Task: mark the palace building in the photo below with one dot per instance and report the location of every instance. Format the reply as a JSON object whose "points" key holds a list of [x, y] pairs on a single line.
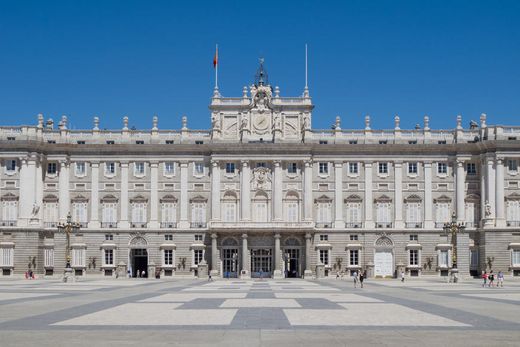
{"points": [[261, 193]]}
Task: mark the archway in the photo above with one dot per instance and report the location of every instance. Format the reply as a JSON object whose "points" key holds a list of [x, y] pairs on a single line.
{"points": [[138, 257], [384, 257]]}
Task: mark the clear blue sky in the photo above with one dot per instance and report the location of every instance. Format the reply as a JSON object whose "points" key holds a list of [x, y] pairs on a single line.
{"points": [[140, 58]]}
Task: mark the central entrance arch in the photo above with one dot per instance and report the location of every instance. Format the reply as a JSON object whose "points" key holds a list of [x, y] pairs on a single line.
{"points": [[384, 257], [138, 257]]}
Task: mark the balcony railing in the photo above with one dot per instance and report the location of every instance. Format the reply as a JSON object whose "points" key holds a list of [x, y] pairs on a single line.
{"points": [[413, 225], [513, 223], [198, 225], [439, 225], [8, 223], [471, 224], [168, 225], [138, 225], [83, 224], [323, 225], [50, 224], [383, 225], [353, 225], [109, 225]]}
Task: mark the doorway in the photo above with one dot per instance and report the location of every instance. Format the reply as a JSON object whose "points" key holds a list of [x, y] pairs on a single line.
{"points": [[292, 262], [230, 262], [261, 262], [139, 261], [383, 263]]}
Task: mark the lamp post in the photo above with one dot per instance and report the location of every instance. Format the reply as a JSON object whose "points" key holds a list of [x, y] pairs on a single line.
{"points": [[453, 228], [68, 228]]}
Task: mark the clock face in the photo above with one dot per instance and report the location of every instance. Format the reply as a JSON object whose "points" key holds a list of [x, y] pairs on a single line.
{"points": [[261, 122]]}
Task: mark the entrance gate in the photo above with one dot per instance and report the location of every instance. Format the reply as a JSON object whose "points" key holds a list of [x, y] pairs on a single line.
{"points": [[261, 262], [230, 262], [292, 262], [139, 261]]}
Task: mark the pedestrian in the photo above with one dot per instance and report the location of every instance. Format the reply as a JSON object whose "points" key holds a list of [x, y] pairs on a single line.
{"points": [[484, 278], [129, 273], [209, 276], [491, 279], [500, 279], [143, 274], [354, 276], [361, 278], [402, 276], [337, 274]]}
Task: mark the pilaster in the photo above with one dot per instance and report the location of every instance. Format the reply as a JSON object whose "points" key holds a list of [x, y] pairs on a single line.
{"points": [[460, 190], [183, 222], [215, 190], [245, 191], [94, 195], [339, 223], [277, 191], [428, 201], [307, 190], [500, 208], [64, 188], [398, 185], [124, 196], [245, 258], [369, 222], [154, 195]]}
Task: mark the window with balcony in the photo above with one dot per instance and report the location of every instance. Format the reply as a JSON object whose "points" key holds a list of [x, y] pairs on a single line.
{"points": [[198, 214], [260, 208], [442, 211], [353, 213], [513, 213], [79, 212], [9, 211], [139, 216], [471, 212], [324, 212], [109, 214], [354, 257], [292, 207], [230, 211], [50, 213], [168, 213], [413, 212], [383, 212]]}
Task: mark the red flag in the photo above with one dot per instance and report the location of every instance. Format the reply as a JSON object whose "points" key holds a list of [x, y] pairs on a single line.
{"points": [[215, 58]]}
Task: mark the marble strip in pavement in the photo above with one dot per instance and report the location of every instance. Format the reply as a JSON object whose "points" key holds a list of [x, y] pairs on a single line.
{"points": [[19, 295], [264, 303], [369, 315], [153, 314], [496, 296], [184, 297], [334, 297]]}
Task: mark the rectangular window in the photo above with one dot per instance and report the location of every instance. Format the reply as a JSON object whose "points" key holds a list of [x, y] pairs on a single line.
{"points": [[261, 164], [383, 142], [168, 257], [354, 257], [443, 258], [80, 168], [383, 213], [512, 165], [139, 212], [471, 169], [110, 142], [353, 168], [412, 168], [78, 257], [52, 168], [323, 168], [414, 237], [10, 165], [198, 212], [199, 142], [169, 142], [169, 168], [198, 255], [383, 168], [80, 142], [515, 257], [442, 168], [109, 237], [324, 237], [7, 256], [50, 213], [414, 257], [139, 169], [324, 256], [230, 168], [199, 168], [48, 257], [442, 213], [198, 237], [292, 168], [109, 256], [79, 212], [139, 142], [513, 212], [324, 213], [230, 209], [10, 211], [109, 212], [168, 237], [353, 214], [110, 168], [168, 212], [413, 213], [323, 142], [354, 237], [292, 211], [352, 142]]}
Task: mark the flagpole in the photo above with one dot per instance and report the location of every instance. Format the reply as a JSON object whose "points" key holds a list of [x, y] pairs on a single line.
{"points": [[216, 68], [306, 85]]}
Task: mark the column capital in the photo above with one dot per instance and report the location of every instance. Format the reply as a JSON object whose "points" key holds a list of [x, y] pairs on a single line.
{"points": [[427, 164], [244, 236], [277, 163], [277, 236], [244, 162], [214, 163], [214, 236], [308, 236], [338, 164], [490, 161], [368, 163], [183, 163], [124, 164], [154, 164], [460, 162], [308, 162], [64, 163], [398, 163], [94, 163], [500, 161]]}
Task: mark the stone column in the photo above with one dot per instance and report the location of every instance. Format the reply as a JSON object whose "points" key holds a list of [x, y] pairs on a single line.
{"points": [[369, 222], [307, 190], [215, 190], [94, 195], [183, 222], [154, 195], [398, 189], [277, 191], [428, 201], [483, 197], [214, 255], [277, 257], [124, 197], [463, 254], [245, 191], [460, 190], [339, 223], [490, 191], [39, 190], [245, 258], [500, 208], [63, 182], [27, 190], [308, 271]]}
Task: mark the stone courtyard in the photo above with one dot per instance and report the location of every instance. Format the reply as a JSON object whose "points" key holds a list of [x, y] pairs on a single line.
{"points": [[257, 312]]}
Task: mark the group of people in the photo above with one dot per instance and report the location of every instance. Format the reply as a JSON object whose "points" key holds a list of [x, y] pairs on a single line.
{"points": [[138, 274], [357, 277], [489, 279]]}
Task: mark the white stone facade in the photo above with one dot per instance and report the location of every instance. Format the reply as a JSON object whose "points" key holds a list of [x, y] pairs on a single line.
{"points": [[261, 193]]}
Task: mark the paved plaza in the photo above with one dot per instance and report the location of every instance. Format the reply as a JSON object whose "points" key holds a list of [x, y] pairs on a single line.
{"points": [[257, 312]]}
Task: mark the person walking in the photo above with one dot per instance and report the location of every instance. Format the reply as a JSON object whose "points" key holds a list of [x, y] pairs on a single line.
{"points": [[402, 276], [491, 279], [209, 276], [361, 278], [354, 276], [500, 279], [484, 278]]}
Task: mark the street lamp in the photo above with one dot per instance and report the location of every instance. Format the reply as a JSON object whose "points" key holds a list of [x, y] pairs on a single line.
{"points": [[68, 228], [454, 228]]}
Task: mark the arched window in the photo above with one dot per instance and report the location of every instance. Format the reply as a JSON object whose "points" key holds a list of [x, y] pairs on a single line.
{"points": [[260, 207], [292, 207], [413, 207], [229, 207]]}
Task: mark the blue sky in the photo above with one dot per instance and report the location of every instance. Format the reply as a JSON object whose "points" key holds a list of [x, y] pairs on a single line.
{"points": [[140, 58]]}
